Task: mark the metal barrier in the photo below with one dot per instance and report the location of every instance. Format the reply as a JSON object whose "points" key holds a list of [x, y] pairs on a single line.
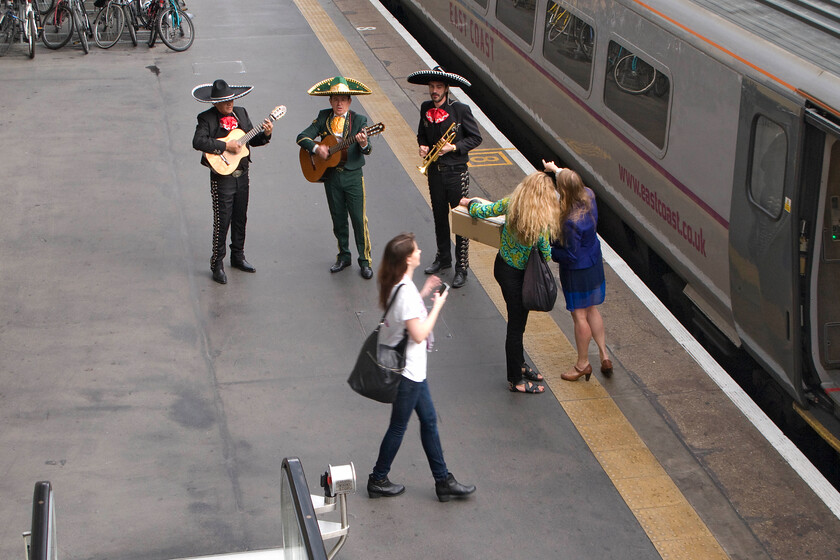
{"points": [[302, 535]]}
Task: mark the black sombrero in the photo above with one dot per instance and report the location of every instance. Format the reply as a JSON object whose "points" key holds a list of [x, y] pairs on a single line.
{"points": [[437, 74], [219, 92]]}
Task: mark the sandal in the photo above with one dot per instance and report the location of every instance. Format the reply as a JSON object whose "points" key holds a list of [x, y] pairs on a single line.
{"points": [[527, 387], [530, 374]]}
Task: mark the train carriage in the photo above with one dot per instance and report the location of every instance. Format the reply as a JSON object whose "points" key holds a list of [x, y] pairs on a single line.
{"points": [[711, 128]]}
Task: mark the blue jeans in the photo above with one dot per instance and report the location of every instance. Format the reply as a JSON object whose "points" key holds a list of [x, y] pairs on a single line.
{"points": [[412, 396]]}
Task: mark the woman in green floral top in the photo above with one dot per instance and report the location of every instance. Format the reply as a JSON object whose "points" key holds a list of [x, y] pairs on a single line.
{"points": [[532, 217]]}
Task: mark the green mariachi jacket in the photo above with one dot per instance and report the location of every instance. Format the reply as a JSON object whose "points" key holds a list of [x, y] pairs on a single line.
{"points": [[319, 129]]}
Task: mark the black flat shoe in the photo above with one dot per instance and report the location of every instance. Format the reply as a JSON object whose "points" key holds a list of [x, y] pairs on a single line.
{"points": [[383, 488], [219, 274], [339, 266], [451, 488], [366, 272], [243, 265], [436, 267]]}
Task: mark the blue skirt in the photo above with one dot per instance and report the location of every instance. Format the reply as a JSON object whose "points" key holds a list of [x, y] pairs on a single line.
{"points": [[584, 287]]}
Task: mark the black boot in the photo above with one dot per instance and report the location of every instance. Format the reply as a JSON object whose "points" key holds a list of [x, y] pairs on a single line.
{"points": [[450, 488], [462, 263], [437, 266], [219, 273], [383, 487]]}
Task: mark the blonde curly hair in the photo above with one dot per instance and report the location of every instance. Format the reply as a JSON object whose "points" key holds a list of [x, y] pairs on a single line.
{"points": [[534, 209]]}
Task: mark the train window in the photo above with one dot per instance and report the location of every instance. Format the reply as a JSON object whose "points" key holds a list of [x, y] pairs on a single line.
{"points": [[568, 43], [637, 92], [518, 16], [482, 3], [767, 166]]}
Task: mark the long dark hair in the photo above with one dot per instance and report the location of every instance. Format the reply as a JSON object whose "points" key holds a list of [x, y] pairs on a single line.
{"points": [[393, 265]]}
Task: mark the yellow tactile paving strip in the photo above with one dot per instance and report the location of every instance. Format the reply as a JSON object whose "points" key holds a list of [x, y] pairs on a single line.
{"points": [[670, 522]]}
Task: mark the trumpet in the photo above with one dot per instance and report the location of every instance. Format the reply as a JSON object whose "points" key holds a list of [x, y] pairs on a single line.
{"points": [[434, 153]]}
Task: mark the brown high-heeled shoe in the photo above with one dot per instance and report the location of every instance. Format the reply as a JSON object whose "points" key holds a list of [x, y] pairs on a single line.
{"points": [[606, 367], [578, 373]]}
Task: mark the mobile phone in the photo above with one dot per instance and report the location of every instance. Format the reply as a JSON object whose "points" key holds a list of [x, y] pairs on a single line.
{"points": [[444, 287]]}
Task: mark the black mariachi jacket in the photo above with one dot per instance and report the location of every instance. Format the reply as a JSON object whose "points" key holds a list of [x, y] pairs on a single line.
{"points": [[467, 137], [208, 129]]}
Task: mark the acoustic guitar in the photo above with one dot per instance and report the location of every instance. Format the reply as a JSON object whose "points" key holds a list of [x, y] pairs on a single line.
{"points": [[227, 162], [314, 167]]}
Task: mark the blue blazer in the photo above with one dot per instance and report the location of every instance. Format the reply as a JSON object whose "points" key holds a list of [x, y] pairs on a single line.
{"points": [[580, 247]]}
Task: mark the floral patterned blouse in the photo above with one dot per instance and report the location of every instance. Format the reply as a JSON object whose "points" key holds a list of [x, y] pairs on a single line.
{"points": [[513, 253]]}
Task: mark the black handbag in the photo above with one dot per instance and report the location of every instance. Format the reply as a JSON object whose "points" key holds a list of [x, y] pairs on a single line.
{"points": [[379, 367], [539, 290]]}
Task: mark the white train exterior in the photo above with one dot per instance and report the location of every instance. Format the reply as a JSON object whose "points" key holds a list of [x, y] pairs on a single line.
{"points": [[727, 164]]}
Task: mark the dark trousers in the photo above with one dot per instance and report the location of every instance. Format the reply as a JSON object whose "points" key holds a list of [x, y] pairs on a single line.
{"points": [[345, 192], [510, 280], [447, 186], [230, 212], [412, 396]]}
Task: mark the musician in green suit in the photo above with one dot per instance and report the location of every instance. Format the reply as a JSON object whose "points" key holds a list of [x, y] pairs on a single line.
{"points": [[344, 184]]}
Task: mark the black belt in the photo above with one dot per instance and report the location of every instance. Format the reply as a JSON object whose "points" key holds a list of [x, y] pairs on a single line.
{"points": [[238, 173], [454, 167]]}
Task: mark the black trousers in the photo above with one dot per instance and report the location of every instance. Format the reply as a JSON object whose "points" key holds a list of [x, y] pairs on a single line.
{"points": [[447, 186], [230, 212], [510, 280]]}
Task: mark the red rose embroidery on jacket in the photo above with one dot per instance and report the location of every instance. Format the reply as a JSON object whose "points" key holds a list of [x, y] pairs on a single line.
{"points": [[435, 115], [229, 123]]}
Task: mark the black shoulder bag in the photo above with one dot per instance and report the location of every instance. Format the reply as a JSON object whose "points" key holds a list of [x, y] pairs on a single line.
{"points": [[539, 290], [379, 368]]}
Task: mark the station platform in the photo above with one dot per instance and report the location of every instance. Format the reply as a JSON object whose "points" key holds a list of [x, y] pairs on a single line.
{"points": [[161, 404]]}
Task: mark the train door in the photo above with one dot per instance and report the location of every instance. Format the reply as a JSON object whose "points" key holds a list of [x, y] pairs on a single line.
{"points": [[820, 268], [763, 281]]}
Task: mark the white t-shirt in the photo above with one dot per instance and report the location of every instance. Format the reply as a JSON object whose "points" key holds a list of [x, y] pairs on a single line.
{"points": [[408, 305]]}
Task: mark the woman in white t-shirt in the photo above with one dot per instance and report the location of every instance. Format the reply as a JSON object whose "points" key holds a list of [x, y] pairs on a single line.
{"points": [[408, 315]]}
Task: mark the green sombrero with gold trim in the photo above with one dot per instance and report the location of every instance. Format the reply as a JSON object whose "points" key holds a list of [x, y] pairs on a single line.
{"points": [[339, 85]]}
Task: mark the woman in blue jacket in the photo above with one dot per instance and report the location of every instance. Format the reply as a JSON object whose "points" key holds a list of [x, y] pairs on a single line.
{"points": [[578, 251]]}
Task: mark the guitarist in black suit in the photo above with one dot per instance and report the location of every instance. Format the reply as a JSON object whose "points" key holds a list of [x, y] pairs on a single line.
{"points": [[229, 192], [345, 183]]}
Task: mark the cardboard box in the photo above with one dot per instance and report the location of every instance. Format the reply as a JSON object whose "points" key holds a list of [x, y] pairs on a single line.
{"points": [[487, 231]]}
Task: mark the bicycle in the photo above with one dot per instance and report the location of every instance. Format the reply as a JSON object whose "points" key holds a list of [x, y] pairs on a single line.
{"points": [[21, 24], [557, 21], [57, 25], [81, 23], [164, 18], [109, 24], [634, 75]]}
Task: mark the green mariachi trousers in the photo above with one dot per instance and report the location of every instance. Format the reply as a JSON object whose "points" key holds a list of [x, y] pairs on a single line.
{"points": [[345, 192]]}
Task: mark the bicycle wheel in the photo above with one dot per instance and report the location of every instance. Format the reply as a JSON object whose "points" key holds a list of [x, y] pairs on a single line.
{"points": [[131, 23], [634, 75], [7, 31], [44, 6], [175, 29], [586, 40], [559, 26], [108, 25], [142, 11], [57, 27], [79, 24], [31, 32]]}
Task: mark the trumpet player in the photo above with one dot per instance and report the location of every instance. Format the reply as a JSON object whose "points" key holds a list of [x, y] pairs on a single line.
{"points": [[449, 178]]}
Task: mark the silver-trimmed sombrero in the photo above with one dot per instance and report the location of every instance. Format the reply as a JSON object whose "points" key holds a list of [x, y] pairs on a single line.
{"points": [[437, 74], [219, 92]]}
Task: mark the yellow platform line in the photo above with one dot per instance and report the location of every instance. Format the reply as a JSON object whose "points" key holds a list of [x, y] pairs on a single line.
{"points": [[672, 525]]}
